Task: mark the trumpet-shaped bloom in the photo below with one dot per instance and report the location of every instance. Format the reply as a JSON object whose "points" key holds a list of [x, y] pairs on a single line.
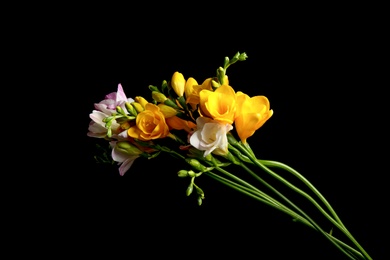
{"points": [[220, 104], [251, 114], [150, 124], [210, 136], [192, 91]]}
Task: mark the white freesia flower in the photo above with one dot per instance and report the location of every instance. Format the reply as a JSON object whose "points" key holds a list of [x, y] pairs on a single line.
{"points": [[210, 136]]}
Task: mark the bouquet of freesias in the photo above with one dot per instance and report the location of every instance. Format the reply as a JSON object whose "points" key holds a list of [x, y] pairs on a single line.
{"points": [[208, 125]]}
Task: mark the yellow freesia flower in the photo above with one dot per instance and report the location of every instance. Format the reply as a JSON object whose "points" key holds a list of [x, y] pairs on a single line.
{"points": [[150, 124], [219, 105], [191, 88], [192, 92], [251, 114]]}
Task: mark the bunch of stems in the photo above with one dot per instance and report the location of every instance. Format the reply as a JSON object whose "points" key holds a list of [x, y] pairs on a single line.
{"points": [[242, 155]]}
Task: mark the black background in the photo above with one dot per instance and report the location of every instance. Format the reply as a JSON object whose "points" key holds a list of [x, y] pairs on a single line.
{"points": [[320, 73]]}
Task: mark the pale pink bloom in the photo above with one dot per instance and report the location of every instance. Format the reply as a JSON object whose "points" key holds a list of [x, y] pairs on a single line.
{"points": [[210, 136], [104, 109], [112, 100], [124, 159]]}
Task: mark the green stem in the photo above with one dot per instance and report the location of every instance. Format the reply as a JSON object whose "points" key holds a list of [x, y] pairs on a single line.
{"points": [[248, 152], [262, 197], [306, 182], [296, 208], [299, 176]]}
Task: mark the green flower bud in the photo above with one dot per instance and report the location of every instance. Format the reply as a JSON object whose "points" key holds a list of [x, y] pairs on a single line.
{"points": [[196, 164], [137, 106], [182, 173], [120, 110], [190, 189], [153, 88], [131, 109], [200, 201], [215, 84], [191, 173], [128, 148], [243, 56], [158, 96]]}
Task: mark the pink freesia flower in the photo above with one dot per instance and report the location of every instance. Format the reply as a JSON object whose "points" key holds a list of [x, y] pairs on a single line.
{"points": [[104, 109], [112, 100]]}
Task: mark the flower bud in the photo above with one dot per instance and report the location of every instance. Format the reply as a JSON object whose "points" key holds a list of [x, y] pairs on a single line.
{"points": [[130, 109], [120, 110], [141, 100], [167, 110], [190, 189], [128, 148], [215, 84], [243, 56], [182, 173], [138, 107], [196, 164], [178, 83], [158, 96]]}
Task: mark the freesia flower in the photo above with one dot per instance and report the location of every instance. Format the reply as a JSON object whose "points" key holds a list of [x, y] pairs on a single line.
{"points": [[251, 114], [220, 104], [112, 100], [97, 127], [210, 136], [192, 91], [125, 154], [106, 108], [150, 124]]}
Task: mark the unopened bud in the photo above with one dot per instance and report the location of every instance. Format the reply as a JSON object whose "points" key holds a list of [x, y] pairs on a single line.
{"points": [[138, 107], [128, 148], [158, 96], [131, 109], [120, 110], [182, 173], [215, 84], [243, 56], [178, 83], [196, 164], [141, 101], [190, 189], [167, 110]]}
